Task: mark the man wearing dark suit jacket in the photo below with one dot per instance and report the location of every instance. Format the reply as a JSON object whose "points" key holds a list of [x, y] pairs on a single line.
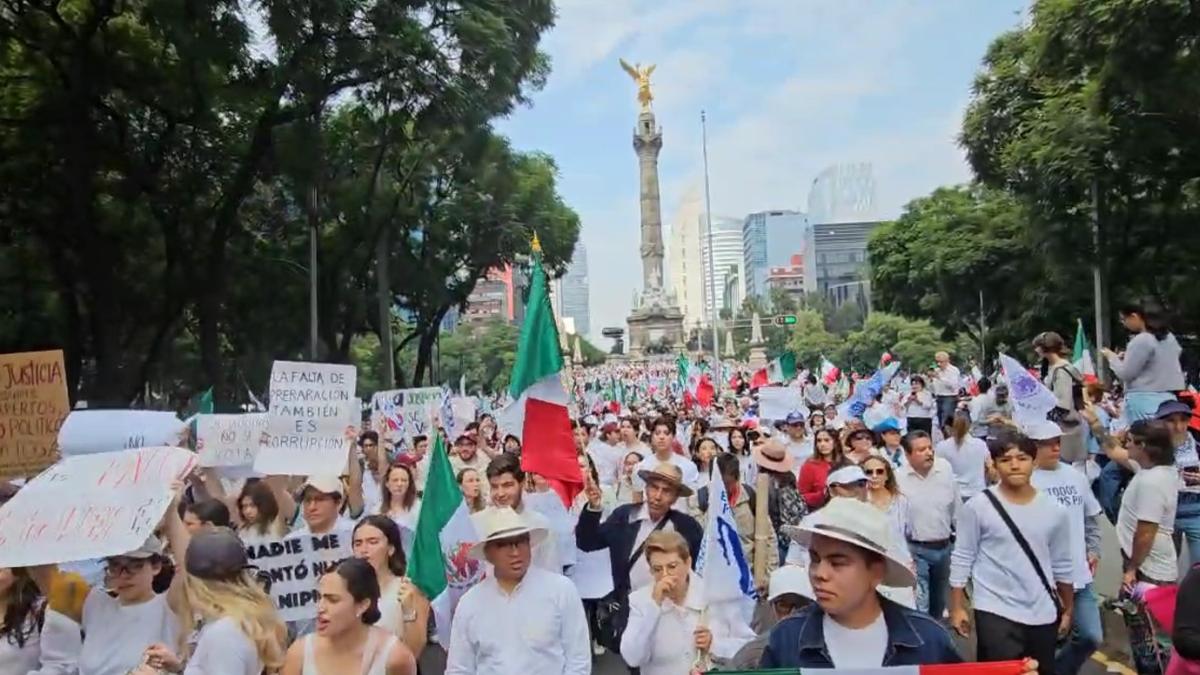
{"points": [[625, 531]]}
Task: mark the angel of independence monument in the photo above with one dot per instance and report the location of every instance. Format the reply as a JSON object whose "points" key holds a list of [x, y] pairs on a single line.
{"points": [[655, 318]]}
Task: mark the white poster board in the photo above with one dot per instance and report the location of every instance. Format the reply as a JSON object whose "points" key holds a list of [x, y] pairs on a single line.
{"points": [[295, 563], [90, 431], [229, 440], [311, 422], [776, 403], [90, 506], [399, 414]]}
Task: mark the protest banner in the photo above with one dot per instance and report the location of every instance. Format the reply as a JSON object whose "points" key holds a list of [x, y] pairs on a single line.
{"points": [[33, 404], [776, 403], [91, 431], [310, 419], [295, 563], [229, 440], [399, 414], [90, 506]]}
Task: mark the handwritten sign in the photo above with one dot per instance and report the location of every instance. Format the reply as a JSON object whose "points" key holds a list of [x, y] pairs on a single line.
{"points": [[92, 431], [33, 404], [229, 440], [310, 417], [90, 506], [776, 403], [400, 414], [295, 563]]}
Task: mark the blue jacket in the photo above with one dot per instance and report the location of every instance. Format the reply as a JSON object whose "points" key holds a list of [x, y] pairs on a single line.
{"points": [[618, 533], [914, 639]]}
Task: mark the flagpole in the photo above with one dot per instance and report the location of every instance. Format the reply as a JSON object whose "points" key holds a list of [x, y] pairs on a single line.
{"points": [[712, 277]]}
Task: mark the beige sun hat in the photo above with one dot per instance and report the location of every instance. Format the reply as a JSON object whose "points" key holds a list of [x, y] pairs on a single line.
{"points": [[497, 523], [857, 523], [667, 473]]}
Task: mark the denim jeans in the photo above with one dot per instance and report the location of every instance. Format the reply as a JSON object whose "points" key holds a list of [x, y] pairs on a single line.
{"points": [[1187, 524], [1087, 633], [933, 578], [1113, 478]]}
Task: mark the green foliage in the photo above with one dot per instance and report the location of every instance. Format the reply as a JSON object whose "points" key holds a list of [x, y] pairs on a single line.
{"points": [[810, 340], [912, 342]]}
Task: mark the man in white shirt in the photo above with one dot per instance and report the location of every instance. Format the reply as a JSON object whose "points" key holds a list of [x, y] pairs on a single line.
{"points": [[933, 505], [466, 455], [519, 619], [662, 433], [507, 482], [946, 380], [607, 453], [1023, 601], [1074, 493], [798, 445]]}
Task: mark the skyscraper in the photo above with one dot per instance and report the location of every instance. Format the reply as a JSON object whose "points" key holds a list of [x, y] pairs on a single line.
{"points": [[575, 299], [835, 262], [728, 260], [770, 239], [842, 193], [686, 274]]}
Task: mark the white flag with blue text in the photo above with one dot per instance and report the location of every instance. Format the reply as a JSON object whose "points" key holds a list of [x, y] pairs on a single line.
{"points": [[1031, 400], [722, 563]]}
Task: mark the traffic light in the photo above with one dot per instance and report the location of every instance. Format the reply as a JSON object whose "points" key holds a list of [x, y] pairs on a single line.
{"points": [[784, 320]]}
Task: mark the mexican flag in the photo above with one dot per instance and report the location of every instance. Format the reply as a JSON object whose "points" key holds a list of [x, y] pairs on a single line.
{"points": [[782, 368], [697, 385], [439, 564], [829, 372], [538, 415], [1082, 358]]}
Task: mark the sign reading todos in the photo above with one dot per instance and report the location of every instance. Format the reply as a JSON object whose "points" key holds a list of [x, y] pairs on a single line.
{"points": [[313, 410], [295, 563], [33, 403], [90, 506]]}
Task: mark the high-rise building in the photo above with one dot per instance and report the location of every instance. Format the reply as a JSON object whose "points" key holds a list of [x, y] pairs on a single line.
{"points": [[728, 260], [835, 262], [770, 239], [843, 193], [686, 274], [494, 297], [574, 292], [789, 278]]}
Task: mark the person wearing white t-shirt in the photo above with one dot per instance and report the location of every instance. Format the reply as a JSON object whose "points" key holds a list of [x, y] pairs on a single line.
{"points": [[607, 453], [967, 456], [797, 442], [661, 435], [919, 406], [1016, 613], [507, 482], [1074, 493], [946, 380]]}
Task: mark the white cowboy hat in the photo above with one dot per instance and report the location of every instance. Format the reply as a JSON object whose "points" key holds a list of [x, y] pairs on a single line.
{"points": [[857, 523], [495, 523]]}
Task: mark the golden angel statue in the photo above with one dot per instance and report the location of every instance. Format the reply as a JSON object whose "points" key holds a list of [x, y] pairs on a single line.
{"points": [[641, 75]]}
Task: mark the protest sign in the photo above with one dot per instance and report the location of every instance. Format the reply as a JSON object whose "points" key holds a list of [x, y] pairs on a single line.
{"points": [[92, 431], [229, 440], [310, 419], [33, 404], [295, 563], [399, 414], [776, 403], [90, 506]]}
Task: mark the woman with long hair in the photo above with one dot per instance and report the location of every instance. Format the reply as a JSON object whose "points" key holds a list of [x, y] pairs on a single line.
{"points": [[259, 513], [1149, 368], [240, 633], [400, 502], [884, 494], [860, 444], [704, 454], [739, 446], [22, 610], [920, 406], [827, 452], [623, 493], [1061, 377], [347, 642], [468, 482], [968, 456], [403, 609]]}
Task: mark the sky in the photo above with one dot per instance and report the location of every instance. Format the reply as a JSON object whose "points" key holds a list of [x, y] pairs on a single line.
{"points": [[790, 87]]}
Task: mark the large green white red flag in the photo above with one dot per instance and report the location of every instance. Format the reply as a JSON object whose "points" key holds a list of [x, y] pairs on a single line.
{"points": [[538, 415], [1082, 356]]}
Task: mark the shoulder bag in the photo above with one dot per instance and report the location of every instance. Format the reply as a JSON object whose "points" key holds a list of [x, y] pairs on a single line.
{"points": [[1037, 566]]}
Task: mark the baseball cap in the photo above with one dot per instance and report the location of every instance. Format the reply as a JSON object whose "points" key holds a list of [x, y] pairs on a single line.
{"points": [[846, 475], [790, 579], [889, 424], [328, 484], [795, 417], [216, 555], [1042, 430], [149, 548]]}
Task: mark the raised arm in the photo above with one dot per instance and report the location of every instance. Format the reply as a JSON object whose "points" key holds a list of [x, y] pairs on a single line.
{"points": [[178, 538]]}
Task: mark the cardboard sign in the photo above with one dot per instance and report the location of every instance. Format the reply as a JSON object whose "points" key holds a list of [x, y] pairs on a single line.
{"points": [[399, 414], [33, 405], [91, 431], [295, 564], [229, 440], [90, 506], [776, 403], [311, 420]]}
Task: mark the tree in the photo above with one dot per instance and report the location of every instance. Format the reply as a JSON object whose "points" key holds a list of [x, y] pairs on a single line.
{"points": [[810, 341], [913, 342]]}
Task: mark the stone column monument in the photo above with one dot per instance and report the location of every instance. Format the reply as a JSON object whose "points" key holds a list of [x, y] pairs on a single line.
{"points": [[656, 323]]}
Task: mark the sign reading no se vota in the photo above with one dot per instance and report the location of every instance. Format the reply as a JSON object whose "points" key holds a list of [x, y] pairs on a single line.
{"points": [[229, 440], [33, 404], [295, 564], [312, 410]]}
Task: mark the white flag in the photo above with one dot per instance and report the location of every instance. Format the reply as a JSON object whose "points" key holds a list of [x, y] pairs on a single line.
{"points": [[1031, 400], [722, 562]]}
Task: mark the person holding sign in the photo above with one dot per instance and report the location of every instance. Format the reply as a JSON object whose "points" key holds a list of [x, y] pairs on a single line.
{"points": [[347, 641], [241, 633]]}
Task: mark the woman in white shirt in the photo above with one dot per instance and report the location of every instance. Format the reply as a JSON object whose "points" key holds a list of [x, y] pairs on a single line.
{"points": [[403, 609], [920, 406], [884, 494], [968, 457], [240, 632], [704, 454], [21, 610], [623, 493], [665, 635], [469, 483], [400, 501]]}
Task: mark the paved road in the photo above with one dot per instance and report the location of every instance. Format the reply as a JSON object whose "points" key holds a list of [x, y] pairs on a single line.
{"points": [[1112, 658]]}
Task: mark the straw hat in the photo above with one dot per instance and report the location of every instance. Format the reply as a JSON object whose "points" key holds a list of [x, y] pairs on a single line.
{"points": [[857, 523], [667, 473], [773, 456], [497, 523]]}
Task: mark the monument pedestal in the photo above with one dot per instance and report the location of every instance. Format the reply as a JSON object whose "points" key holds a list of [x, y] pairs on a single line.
{"points": [[758, 357], [652, 326]]}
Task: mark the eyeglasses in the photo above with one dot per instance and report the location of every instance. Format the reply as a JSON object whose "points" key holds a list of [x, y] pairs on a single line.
{"points": [[118, 568]]}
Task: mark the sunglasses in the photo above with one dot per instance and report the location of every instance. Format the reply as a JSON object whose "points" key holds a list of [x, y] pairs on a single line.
{"points": [[875, 472]]}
